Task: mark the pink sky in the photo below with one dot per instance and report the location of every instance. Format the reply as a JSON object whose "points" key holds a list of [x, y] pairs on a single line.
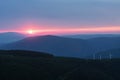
{"points": [[65, 30]]}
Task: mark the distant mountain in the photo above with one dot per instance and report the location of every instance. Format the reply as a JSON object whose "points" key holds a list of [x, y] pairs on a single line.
{"points": [[105, 43], [61, 46], [9, 37], [88, 36], [52, 44]]}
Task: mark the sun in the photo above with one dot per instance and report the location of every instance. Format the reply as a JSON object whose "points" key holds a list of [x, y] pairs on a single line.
{"points": [[30, 31]]}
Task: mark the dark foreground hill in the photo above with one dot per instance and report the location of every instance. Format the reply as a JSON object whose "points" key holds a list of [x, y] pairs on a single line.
{"points": [[24, 53], [69, 47], [56, 68]]}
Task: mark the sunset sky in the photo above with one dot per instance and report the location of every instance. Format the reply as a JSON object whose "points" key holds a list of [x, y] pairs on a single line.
{"points": [[60, 16]]}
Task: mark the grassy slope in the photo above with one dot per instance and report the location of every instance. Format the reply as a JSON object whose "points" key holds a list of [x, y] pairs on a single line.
{"points": [[57, 68]]}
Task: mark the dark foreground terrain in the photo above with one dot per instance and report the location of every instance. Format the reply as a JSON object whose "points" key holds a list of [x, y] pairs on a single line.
{"points": [[27, 65]]}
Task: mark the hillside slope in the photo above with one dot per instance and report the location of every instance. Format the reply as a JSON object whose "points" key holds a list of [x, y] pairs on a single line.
{"points": [[57, 68]]}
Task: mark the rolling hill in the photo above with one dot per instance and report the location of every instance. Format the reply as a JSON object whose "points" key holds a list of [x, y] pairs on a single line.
{"points": [[9, 37], [61, 46], [24, 53], [52, 44]]}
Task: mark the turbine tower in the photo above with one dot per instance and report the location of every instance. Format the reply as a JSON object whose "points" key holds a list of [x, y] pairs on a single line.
{"points": [[100, 57], [94, 57], [110, 56]]}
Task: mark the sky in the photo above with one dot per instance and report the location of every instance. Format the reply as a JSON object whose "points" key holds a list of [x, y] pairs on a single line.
{"points": [[60, 16]]}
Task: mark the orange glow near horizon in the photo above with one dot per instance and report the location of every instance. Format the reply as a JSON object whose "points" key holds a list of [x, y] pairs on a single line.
{"points": [[32, 27], [87, 30], [37, 30]]}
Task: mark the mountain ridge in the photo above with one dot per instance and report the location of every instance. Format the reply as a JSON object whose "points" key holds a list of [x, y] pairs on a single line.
{"points": [[61, 46]]}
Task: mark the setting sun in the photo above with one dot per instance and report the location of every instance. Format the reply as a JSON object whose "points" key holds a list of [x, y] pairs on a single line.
{"points": [[30, 31]]}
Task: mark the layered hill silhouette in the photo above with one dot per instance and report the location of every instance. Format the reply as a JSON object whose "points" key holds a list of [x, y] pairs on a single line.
{"points": [[61, 46], [52, 44], [9, 37], [89, 36]]}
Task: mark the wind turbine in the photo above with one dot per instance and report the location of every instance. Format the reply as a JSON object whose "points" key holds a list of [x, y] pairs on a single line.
{"points": [[100, 57], [94, 57], [110, 56]]}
